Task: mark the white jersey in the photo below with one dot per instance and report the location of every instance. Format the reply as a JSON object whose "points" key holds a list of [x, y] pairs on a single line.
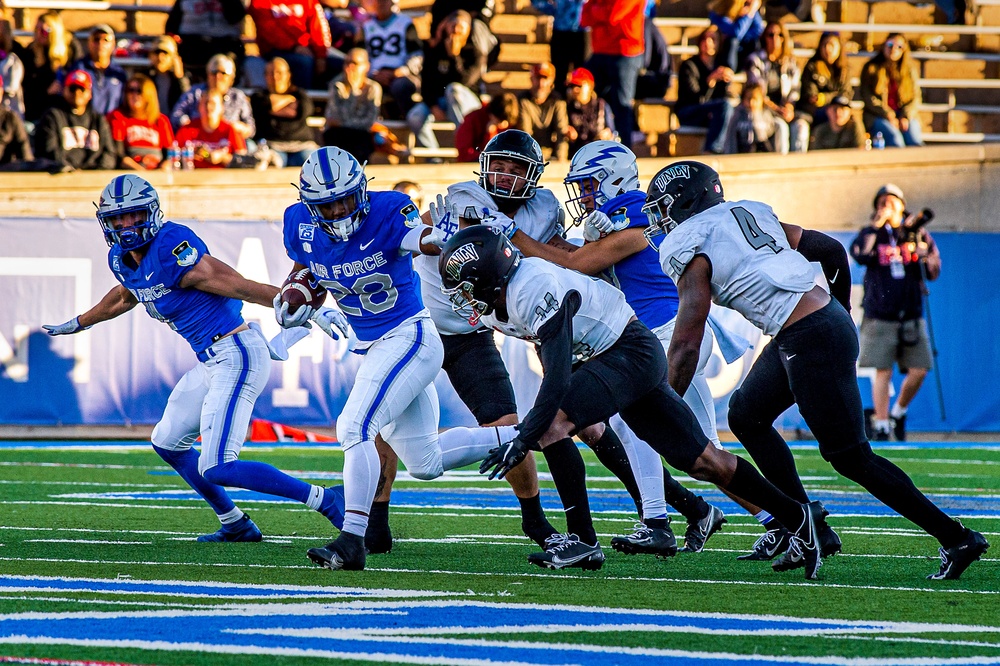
{"points": [[537, 290], [541, 217], [386, 43], [754, 270]]}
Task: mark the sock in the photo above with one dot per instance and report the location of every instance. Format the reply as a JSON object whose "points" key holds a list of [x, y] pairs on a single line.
{"points": [[612, 454], [764, 518], [656, 523], [897, 411], [378, 517], [691, 506], [185, 463], [361, 474], [260, 477], [646, 467], [882, 425], [464, 446], [234, 516], [315, 499], [531, 509], [570, 476], [891, 486], [751, 486]]}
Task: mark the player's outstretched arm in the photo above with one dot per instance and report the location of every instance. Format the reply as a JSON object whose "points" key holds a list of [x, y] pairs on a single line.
{"points": [[116, 302], [217, 277], [592, 258], [694, 289]]}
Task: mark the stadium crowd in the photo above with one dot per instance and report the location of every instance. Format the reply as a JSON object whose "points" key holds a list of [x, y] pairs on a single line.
{"points": [[204, 102]]}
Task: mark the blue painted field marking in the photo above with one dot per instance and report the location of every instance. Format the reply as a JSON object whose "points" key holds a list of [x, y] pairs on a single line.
{"points": [[438, 630]]}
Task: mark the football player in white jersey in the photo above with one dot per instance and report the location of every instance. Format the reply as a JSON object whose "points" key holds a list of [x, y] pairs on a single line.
{"points": [[359, 245], [621, 369], [395, 52], [737, 255]]}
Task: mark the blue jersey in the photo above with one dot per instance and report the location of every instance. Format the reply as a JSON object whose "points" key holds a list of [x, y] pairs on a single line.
{"points": [[647, 289], [200, 317], [370, 276]]}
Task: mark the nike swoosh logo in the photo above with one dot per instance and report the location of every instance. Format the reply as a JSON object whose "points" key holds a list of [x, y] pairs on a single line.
{"points": [[834, 278], [771, 551], [364, 246], [790, 357], [150, 275]]}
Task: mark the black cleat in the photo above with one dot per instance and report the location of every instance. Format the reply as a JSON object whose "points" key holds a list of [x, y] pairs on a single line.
{"points": [[378, 541], [803, 547], [898, 425], [955, 560], [769, 545], [566, 550], [698, 532], [538, 531], [647, 540], [829, 541], [346, 552]]}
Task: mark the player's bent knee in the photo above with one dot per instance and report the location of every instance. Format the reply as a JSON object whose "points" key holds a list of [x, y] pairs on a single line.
{"points": [[851, 462], [591, 434], [220, 475], [421, 456], [709, 466]]}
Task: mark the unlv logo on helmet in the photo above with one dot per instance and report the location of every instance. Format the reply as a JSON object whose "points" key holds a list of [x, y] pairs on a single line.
{"points": [[460, 258], [669, 174]]}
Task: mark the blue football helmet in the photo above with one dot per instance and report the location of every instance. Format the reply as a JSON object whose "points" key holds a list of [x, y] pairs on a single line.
{"points": [[600, 171], [330, 176], [129, 194]]}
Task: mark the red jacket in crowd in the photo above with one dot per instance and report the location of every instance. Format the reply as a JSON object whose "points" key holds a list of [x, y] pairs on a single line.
{"points": [[616, 26], [473, 134], [284, 25]]}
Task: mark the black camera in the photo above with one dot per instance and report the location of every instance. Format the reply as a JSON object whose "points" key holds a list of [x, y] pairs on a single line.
{"points": [[909, 231]]}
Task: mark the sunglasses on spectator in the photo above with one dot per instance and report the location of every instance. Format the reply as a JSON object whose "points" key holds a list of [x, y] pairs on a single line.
{"points": [[221, 72]]}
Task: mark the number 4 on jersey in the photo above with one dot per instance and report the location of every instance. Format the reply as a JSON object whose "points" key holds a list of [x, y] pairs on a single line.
{"points": [[756, 236]]}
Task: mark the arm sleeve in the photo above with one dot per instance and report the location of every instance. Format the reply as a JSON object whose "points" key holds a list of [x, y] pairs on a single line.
{"points": [[816, 246], [556, 351]]}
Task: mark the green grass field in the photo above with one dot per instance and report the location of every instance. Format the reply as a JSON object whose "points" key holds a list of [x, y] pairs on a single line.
{"points": [[99, 563]]}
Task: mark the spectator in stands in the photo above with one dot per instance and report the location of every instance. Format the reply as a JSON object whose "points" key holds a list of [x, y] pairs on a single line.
{"points": [[15, 146], [295, 30], [216, 142], [396, 55], [842, 129], [774, 68], [345, 18], [654, 77], [479, 10], [570, 43], [483, 124], [109, 79], [703, 91], [221, 75], [412, 190], [543, 112], [207, 29], [891, 94], [11, 70], [142, 134], [281, 113], [741, 24], [455, 59], [72, 134], [52, 50], [166, 69], [752, 127], [617, 36], [590, 117], [352, 112], [824, 77]]}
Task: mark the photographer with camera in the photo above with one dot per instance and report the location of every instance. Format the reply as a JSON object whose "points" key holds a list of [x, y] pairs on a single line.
{"points": [[899, 256]]}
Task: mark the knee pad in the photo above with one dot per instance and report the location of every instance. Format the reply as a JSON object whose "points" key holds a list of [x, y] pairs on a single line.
{"points": [[164, 438]]}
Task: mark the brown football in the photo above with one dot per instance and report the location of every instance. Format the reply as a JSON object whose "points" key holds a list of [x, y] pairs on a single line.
{"points": [[301, 288]]}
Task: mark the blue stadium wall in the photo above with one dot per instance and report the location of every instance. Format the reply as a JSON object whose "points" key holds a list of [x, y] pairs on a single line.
{"points": [[121, 372]]}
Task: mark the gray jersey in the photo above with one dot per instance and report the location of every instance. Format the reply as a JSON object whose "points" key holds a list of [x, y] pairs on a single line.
{"points": [[754, 270], [541, 217], [537, 290]]}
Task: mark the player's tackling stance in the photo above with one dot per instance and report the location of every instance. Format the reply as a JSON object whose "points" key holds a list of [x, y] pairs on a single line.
{"points": [[168, 269]]}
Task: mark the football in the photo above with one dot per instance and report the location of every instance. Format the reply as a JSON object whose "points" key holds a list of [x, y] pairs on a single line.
{"points": [[301, 288]]}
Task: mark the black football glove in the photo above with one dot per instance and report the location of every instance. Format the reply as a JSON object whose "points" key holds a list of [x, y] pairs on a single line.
{"points": [[504, 458]]}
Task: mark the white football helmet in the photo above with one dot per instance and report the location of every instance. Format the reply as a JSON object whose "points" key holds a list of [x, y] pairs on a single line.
{"points": [[129, 194], [600, 171], [331, 176]]}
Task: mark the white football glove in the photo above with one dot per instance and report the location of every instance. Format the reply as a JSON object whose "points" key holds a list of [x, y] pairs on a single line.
{"points": [[332, 321], [494, 219], [285, 320], [444, 217], [68, 328], [590, 232], [436, 237]]}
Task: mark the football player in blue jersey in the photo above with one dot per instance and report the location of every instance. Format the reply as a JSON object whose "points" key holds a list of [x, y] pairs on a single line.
{"points": [[360, 246], [168, 269]]}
